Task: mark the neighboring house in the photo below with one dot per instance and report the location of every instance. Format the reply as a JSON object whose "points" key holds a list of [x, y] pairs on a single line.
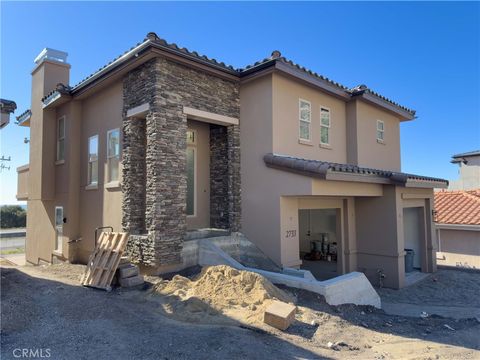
{"points": [[458, 228], [468, 169], [6, 108], [162, 141]]}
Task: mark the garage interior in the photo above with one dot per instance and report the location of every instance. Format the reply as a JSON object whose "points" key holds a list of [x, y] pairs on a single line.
{"points": [[318, 235]]}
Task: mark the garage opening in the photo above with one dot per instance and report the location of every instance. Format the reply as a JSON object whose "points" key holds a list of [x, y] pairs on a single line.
{"points": [[318, 236], [414, 237]]}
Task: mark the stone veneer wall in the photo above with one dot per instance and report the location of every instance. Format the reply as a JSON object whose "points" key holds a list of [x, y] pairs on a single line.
{"points": [[154, 177], [218, 177], [225, 185]]}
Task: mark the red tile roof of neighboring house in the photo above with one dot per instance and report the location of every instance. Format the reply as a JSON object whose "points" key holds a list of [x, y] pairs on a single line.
{"points": [[458, 207]]}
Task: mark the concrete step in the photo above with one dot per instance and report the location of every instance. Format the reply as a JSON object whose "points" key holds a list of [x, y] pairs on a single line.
{"points": [[127, 270], [131, 281]]}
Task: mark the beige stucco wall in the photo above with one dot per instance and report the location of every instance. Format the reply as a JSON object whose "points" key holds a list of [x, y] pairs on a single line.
{"points": [[457, 247], [40, 239], [371, 153], [262, 187], [201, 219], [84, 209], [102, 206], [380, 233], [22, 182], [377, 232], [285, 97], [371, 214]]}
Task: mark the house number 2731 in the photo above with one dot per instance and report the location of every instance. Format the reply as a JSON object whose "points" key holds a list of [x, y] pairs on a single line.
{"points": [[291, 233]]}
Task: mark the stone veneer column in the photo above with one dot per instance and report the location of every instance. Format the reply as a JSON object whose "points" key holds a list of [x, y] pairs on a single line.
{"points": [[225, 200], [166, 184], [133, 179], [234, 184], [219, 177]]}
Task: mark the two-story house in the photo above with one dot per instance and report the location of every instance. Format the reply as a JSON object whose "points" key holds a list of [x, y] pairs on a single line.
{"points": [[162, 141]]}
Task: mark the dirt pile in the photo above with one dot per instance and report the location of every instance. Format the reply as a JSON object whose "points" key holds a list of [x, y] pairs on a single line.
{"points": [[219, 295]]}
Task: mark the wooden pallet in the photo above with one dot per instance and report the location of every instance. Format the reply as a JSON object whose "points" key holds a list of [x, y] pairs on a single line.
{"points": [[104, 260]]}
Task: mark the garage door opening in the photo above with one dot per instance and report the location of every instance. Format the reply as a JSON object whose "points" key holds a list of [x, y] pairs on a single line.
{"points": [[319, 236], [414, 237]]}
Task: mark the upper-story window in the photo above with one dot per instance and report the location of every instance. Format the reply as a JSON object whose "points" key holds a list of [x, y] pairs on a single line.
{"points": [[380, 130], [61, 139], [92, 160], [113, 154], [305, 115], [324, 126]]}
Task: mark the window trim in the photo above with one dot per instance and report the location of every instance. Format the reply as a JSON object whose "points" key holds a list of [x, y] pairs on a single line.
{"points": [[112, 181], [300, 138], [325, 126], [90, 184], [193, 145], [59, 161], [382, 140]]}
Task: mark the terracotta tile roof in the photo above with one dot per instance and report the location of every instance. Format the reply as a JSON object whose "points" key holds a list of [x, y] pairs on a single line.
{"points": [[458, 207]]}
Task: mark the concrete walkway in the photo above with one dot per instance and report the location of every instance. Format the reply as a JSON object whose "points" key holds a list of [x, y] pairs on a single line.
{"points": [[415, 310], [15, 259]]}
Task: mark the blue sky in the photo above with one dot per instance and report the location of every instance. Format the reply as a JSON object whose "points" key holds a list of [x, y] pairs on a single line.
{"points": [[423, 55]]}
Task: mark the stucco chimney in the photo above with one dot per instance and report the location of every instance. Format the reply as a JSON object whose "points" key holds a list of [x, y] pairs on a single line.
{"points": [[51, 54], [51, 68]]}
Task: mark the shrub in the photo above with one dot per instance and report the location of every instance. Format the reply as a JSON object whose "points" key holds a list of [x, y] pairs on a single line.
{"points": [[12, 216]]}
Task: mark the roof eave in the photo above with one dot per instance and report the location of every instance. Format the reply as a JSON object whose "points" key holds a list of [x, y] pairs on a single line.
{"points": [[56, 100], [140, 53], [351, 177], [290, 70], [24, 119], [375, 100], [426, 184], [122, 59]]}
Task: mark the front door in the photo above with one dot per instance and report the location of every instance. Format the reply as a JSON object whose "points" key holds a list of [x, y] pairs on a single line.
{"points": [[58, 229]]}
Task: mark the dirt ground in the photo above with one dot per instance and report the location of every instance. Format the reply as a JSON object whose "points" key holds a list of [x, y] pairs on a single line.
{"points": [[46, 308], [440, 288]]}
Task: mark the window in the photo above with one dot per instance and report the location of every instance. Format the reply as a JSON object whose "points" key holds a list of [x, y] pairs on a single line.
{"points": [[191, 165], [113, 154], [93, 160], [380, 130], [305, 115], [61, 139], [324, 126]]}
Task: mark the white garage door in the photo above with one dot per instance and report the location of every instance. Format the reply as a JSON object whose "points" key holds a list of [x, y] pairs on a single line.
{"points": [[414, 232]]}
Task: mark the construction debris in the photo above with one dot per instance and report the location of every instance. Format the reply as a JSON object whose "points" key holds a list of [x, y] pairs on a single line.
{"points": [[219, 295], [280, 315], [104, 260], [449, 327]]}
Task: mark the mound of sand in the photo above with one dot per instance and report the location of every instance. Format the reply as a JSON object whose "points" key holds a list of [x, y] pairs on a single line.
{"points": [[218, 295]]}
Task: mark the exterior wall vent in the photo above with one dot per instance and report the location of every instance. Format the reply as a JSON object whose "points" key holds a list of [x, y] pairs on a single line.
{"points": [[51, 54]]}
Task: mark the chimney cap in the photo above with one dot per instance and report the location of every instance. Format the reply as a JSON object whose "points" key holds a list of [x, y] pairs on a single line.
{"points": [[51, 54]]}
